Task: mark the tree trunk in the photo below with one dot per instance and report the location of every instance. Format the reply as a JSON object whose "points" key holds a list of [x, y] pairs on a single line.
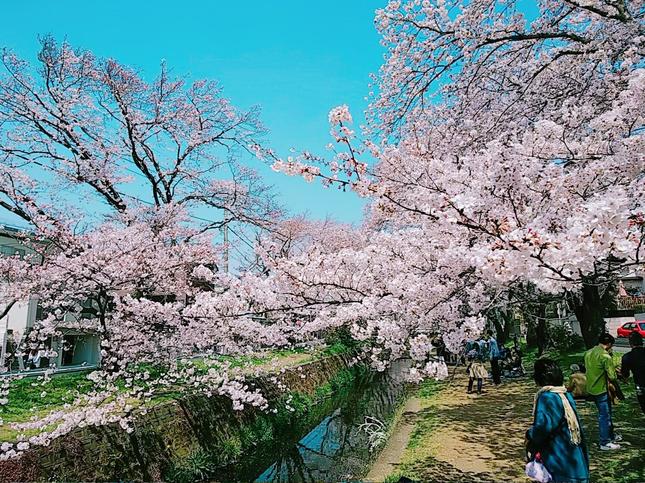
{"points": [[497, 322], [590, 313], [531, 332], [541, 329], [537, 331], [509, 323], [502, 321]]}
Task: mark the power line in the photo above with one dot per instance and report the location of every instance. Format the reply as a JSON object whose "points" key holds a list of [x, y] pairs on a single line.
{"points": [[141, 175], [239, 237]]}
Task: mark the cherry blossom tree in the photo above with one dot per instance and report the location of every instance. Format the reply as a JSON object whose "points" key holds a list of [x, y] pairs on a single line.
{"points": [[92, 152], [519, 137], [91, 125], [530, 133], [124, 184], [508, 149]]}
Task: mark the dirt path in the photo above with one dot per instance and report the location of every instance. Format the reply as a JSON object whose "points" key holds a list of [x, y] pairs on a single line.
{"points": [[389, 458], [452, 436], [479, 438], [449, 436]]}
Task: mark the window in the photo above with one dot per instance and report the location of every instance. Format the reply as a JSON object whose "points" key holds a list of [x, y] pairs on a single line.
{"points": [[88, 309], [9, 251], [162, 299], [79, 349], [642, 325], [40, 313]]}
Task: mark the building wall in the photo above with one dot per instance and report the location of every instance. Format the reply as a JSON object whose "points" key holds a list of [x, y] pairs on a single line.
{"points": [[614, 322], [10, 246], [634, 285], [21, 316]]}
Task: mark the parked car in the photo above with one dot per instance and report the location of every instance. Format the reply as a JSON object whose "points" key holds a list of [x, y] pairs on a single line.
{"points": [[629, 327]]}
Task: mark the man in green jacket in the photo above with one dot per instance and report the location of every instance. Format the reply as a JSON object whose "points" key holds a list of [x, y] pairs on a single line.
{"points": [[600, 371]]}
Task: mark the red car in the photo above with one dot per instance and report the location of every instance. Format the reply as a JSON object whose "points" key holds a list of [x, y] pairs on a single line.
{"points": [[629, 327]]}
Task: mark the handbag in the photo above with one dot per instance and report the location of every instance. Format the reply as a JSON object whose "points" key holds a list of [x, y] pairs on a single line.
{"points": [[614, 392], [536, 471]]}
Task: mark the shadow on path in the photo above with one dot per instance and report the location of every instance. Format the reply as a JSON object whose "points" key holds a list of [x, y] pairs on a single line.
{"points": [[468, 438]]}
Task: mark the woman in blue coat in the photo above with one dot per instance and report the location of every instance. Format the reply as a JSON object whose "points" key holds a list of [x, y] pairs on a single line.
{"points": [[556, 433]]}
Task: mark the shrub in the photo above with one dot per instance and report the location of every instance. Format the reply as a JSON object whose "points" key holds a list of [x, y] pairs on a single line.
{"points": [[197, 467], [565, 339], [340, 336]]}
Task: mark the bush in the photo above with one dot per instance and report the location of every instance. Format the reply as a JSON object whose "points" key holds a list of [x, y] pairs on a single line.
{"points": [[197, 467], [340, 336], [565, 339]]}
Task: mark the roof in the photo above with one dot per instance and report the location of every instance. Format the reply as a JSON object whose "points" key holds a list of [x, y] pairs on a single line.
{"points": [[632, 276], [12, 231]]}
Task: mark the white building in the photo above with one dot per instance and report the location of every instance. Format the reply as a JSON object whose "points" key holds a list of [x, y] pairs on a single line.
{"points": [[634, 283], [75, 348]]}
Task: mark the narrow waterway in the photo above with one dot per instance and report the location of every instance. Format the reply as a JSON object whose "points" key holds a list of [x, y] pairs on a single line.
{"points": [[331, 446]]}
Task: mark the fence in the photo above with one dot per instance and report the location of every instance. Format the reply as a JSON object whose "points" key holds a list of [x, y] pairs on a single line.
{"points": [[629, 302]]}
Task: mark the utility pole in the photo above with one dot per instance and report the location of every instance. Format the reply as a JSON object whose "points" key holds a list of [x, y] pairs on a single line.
{"points": [[225, 234]]}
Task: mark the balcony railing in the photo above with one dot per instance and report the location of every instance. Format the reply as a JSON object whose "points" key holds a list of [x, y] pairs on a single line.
{"points": [[629, 302]]}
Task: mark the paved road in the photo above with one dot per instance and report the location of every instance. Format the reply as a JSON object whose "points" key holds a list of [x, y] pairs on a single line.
{"points": [[621, 345]]}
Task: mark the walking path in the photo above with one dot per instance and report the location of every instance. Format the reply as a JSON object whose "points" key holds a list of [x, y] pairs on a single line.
{"points": [[449, 436], [390, 456]]}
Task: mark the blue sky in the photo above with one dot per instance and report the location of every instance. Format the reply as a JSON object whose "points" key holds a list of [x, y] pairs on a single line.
{"points": [[295, 59]]}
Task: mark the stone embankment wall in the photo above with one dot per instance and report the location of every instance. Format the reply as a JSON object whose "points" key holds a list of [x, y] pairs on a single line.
{"points": [[179, 434]]}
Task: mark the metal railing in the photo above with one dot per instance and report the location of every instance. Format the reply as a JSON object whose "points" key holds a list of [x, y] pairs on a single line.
{"points": [[629, 302]]}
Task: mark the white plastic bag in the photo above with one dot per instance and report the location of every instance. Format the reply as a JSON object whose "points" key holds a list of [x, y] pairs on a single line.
{"points": [[538, 472]]}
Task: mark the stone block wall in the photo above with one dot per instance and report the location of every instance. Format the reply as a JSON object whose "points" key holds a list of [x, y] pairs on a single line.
{"points": [[163, 437]]}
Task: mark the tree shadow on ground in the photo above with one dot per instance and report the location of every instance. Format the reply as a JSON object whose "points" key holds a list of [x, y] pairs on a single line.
{"points": [[487, 432], [497, 421], [628, 464], [432, 470]]}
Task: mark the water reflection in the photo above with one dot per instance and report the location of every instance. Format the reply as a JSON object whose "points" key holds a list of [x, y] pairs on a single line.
{"points": [[336, 449]]}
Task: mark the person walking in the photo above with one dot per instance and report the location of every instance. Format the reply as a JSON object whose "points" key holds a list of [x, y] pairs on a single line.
{"points": [[10, 350], [600, 373], [556, 438], [476, 370], [634, 362], [493, 354]]}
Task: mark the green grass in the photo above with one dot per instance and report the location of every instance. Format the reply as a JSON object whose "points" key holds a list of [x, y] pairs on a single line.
{"points": [[428, 388], [337, 348], [626, 465], [196, 467], [30, 392], [393, 478], [33, 397], [426, 424]]}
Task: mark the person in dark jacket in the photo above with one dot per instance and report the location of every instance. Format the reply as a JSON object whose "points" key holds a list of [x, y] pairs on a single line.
{"points": [[634, 362], [556, 433], [494, 356]]}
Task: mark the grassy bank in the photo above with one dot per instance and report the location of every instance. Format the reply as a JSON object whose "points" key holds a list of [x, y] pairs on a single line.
{"points": [[35, 397]]}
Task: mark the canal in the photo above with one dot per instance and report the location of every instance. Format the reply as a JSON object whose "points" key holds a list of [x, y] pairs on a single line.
{"points": [[332, 444]]}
